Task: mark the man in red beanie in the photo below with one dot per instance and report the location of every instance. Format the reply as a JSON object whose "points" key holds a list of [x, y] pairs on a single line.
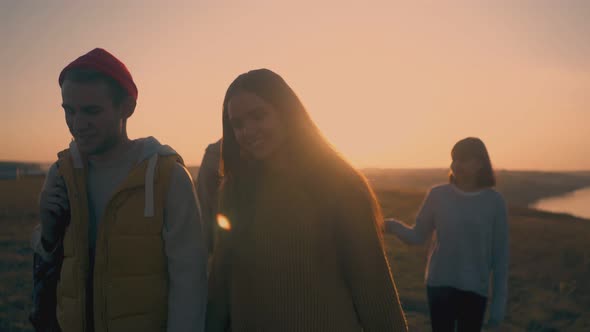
{"points": [[120, 215]]}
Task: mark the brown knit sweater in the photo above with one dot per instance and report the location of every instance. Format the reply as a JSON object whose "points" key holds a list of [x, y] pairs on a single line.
{"points": [[304, 263]]}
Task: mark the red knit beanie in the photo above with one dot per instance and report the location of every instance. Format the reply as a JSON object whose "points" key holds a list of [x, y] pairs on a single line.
{"points": [[106, 63]]}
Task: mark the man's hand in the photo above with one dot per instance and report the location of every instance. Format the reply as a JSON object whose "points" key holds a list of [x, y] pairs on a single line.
{"points": [[54, 210]]}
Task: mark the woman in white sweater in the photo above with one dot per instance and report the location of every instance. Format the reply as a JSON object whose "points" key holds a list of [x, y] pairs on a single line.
{"points": [[469, 220]]}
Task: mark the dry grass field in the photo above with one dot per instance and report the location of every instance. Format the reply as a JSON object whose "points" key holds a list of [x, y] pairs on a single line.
{"points": [[549, 270]]}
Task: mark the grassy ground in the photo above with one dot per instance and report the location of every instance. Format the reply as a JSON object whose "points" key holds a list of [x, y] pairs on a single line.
{"points": [[18, 216], [549, 288], [549, 270]]}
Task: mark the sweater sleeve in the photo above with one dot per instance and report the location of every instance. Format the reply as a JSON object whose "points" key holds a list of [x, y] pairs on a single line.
{"points": [[218, 311], [500, 261], [186, 255], [421, 231], [365, 267]]}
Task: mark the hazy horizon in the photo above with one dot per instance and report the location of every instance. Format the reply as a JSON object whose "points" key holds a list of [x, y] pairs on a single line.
{"points": [[434, 168], [391, 84]]}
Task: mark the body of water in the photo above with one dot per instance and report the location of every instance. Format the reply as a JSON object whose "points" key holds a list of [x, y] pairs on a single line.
{"points": [[576, 203]]}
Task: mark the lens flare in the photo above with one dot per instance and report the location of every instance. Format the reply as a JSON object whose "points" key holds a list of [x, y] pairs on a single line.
{"points": [[223, 222]]}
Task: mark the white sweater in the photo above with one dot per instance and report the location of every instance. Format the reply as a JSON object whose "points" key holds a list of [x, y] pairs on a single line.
{"points": [[471, 241]]}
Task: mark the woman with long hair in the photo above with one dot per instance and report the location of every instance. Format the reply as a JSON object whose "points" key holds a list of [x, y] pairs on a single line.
{"points": [[470, 223], [299, 242]]}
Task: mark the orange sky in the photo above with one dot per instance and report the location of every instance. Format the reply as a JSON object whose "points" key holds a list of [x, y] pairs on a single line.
{"points": [[390, 84]]}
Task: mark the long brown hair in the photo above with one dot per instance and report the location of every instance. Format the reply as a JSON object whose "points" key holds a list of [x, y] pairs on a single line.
{"points": [[310, 152], [473, 148]]}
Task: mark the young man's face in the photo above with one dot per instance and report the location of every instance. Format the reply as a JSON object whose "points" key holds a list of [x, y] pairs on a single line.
{"points": [[94, 121]]}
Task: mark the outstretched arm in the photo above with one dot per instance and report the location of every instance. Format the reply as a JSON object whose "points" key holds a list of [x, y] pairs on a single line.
{"points": [[421, 231]]}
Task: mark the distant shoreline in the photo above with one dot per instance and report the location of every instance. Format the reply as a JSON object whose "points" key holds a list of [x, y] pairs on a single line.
{"points": [[570, 210]]}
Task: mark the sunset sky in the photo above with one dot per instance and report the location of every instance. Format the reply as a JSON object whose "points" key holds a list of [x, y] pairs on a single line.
{"points": [[391, 84]]}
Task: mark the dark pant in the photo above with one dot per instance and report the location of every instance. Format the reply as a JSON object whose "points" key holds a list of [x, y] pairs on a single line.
{"points": [[450, 307], [45, 278]]}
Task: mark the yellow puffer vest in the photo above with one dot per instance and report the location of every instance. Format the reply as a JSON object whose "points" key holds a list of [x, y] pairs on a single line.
{"points": [[130, 286]]}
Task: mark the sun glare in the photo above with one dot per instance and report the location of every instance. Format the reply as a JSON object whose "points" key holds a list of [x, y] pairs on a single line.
{"points": [[223, 222]]}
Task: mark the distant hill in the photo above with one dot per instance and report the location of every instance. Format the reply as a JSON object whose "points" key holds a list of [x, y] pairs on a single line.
{"points": [[194, 171], [519, 187], [15, 169]]}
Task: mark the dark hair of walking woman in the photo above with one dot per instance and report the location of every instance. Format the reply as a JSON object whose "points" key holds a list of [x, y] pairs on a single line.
{"points": [[469, 151], [309, 153]]}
